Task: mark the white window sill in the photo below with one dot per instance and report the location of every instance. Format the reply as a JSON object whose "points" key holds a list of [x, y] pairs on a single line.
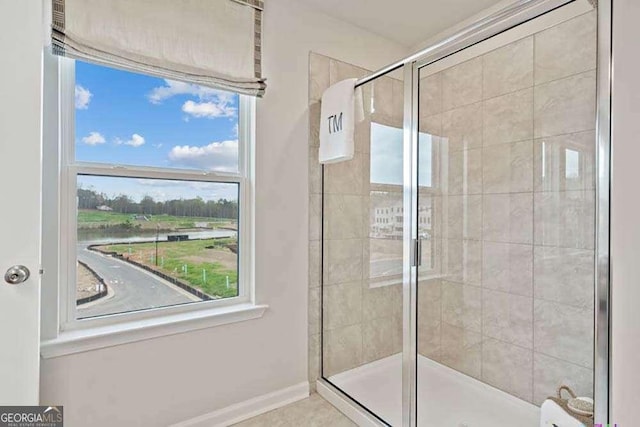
{"points": [[77, 341]]}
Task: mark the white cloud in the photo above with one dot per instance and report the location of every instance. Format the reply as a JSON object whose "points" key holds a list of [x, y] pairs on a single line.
{"points": [[175, 88], [135, 141], [168, 190], [83, 97], [94, 138], [211, 103], [208, 109], [195, 185], [219, 156]]}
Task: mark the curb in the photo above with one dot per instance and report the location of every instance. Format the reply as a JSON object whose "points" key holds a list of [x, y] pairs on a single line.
{"points": [[97, 296]]}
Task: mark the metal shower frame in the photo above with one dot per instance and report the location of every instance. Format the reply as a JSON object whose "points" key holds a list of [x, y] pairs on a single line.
{"points": [[518, 13]]}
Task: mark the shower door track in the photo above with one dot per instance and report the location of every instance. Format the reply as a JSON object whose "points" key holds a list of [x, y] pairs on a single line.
{"points": [[518, 13]]}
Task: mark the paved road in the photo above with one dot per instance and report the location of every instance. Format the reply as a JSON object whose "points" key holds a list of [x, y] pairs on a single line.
{"points": [[132, 287]]}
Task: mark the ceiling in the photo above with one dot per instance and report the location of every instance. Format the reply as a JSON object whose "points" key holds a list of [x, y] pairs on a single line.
{"points": [[408, 22]]}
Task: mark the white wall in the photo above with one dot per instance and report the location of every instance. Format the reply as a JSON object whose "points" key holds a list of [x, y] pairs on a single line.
{"points": [[166, 380], [625, 214], [434, 38]]}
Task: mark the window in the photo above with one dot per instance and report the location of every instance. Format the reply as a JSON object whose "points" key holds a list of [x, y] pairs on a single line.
{"points": [[386, 199], [155, 205], [572, 164], [387, 152]]}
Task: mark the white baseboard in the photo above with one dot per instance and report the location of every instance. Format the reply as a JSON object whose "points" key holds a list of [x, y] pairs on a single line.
{"points": [[249, 408]]}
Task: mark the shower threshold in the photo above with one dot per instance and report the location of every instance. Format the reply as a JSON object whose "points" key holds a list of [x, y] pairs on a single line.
{"points": [[446, 397]]}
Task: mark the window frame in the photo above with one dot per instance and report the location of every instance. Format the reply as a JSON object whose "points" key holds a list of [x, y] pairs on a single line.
{"points": [[60, 217]]}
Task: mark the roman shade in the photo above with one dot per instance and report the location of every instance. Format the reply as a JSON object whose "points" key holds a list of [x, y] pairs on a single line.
{"points": [[214, 43]]}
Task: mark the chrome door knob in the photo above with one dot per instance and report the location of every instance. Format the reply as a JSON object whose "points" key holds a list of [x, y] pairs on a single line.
{"points": [[17, 274]]}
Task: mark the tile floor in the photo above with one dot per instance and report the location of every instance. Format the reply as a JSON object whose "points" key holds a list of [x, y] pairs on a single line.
{"points": [[313, 411]]}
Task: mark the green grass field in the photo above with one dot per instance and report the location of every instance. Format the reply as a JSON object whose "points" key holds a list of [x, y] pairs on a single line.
{"points": [[93, 219], [210, 255]]}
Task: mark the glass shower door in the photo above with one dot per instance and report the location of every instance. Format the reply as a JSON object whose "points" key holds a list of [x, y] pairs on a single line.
{"points": [[363, 255], [506, 219]]}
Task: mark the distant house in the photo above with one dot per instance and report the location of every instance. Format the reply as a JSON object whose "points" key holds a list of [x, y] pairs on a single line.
{"points": [[104, 208], [388, 221]]}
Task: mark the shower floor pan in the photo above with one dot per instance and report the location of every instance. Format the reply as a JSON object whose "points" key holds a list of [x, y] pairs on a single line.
{"points": [[446, 398]]}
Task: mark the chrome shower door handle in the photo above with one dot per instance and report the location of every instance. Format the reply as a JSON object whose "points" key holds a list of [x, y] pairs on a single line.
{"points": [[417, 249], [17, 274], [416, 252]]}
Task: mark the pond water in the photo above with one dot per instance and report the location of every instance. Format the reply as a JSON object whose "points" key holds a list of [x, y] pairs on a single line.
{"points": [[107, 236]]}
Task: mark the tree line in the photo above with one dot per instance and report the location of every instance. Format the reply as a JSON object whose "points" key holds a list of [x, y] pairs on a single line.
{"points": [[197, 207]]}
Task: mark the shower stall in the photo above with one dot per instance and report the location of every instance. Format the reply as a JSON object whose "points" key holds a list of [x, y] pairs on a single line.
{"points": [[464, 248]]}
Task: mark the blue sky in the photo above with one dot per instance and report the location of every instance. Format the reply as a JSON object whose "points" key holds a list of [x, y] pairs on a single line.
{"points": [[133, 119], [128, 118]]}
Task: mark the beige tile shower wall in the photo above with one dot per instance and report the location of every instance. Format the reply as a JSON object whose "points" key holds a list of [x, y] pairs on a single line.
{"points": [[361, 324], [514, 157]]}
